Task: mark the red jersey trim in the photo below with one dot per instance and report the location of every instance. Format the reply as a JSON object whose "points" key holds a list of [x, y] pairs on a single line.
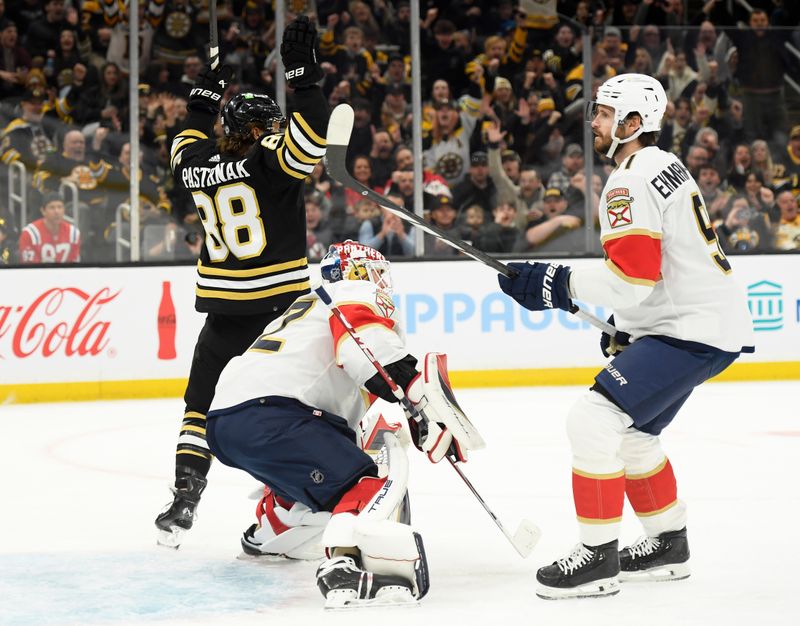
{"points": [[635, 257], [360, 315]]}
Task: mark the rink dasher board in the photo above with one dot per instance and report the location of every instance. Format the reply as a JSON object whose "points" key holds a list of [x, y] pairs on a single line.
{"points": [[76, 333]]}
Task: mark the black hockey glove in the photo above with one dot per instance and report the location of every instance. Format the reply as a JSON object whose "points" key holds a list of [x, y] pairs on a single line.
{"points": [[209, 87], [299, 53], [612, 346]]}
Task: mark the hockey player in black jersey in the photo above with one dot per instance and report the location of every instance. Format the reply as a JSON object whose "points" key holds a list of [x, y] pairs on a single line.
{"points": [[248, 188]]}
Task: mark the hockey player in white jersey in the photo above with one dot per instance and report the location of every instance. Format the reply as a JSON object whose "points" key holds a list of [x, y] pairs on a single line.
{"points": [[682, 320], [285, 412]]}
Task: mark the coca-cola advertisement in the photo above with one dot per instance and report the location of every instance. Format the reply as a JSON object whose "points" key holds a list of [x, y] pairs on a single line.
{"points": [[61, 320], [126, 329]]}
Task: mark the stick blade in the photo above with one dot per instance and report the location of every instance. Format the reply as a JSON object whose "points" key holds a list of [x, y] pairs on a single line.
{"points": [[340, 125], [526, 538]]}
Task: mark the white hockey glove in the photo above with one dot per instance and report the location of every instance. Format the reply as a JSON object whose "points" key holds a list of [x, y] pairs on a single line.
{"points": [[444, 429]]}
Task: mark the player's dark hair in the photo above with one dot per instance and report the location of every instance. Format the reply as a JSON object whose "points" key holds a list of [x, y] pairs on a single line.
{"points": [[239, 144], [646, 139]]}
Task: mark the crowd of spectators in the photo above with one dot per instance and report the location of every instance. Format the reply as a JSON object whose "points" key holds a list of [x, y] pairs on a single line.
{"points": [[502, 118]]}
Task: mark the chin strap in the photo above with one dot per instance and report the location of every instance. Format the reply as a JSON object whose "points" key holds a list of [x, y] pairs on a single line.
{"points": [[616, 141]]}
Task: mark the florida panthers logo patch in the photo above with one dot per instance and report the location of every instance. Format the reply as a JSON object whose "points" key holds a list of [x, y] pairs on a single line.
{"points": [[385, 303], [618, 206]]}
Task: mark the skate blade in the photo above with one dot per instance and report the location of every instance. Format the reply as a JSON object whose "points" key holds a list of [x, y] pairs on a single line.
{"points": [[596, 589], [342, 599], [663, 573], [170, 538]]}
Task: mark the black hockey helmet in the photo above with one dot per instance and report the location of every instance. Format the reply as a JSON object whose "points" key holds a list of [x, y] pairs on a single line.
{"points": [[246, 108]]}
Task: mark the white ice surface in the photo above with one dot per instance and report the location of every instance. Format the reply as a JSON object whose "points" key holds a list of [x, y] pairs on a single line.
{"points": [[80, 485]]}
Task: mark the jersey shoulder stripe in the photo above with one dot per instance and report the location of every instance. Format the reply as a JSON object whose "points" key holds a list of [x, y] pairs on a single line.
{"points": [[34, 234], [182, 140]]}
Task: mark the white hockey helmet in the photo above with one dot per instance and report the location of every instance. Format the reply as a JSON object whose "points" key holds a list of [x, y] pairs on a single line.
{"points": [[350, 260], [632, 93]]}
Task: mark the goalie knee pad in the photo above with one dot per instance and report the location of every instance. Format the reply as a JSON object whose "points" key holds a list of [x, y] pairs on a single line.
{"points": [[285, 529]]}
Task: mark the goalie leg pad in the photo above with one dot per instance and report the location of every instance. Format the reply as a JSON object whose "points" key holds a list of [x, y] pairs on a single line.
{"points": [[285, 529], [393, 549]]}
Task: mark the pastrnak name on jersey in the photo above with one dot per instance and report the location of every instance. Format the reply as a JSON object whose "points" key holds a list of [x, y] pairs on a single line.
{"points": [[195, 177]]}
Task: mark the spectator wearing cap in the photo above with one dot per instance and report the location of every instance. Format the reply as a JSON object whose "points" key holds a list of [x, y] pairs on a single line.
{"points": [[396, 74], [571, 162], [42, 33], [787, 235], [477, 188], [14, 61], [555, 222], [790, 156], [442, 214], [443, 59], [27, 139], [396, 111], [446, 146], [563, 56]]}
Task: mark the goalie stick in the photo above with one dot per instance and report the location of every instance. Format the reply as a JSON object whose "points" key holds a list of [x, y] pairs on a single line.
{"points": [[527, 535], [340, 127], [213, 36]]}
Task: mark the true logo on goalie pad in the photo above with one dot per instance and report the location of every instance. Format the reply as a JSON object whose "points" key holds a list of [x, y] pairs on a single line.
{"points": [[317, 476]]}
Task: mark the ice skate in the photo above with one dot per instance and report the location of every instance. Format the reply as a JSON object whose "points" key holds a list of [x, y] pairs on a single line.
{"points": [[661, 558], [345, 585], [587, 572], [179, 515]]}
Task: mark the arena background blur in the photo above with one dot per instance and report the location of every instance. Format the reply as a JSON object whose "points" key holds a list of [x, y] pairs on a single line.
{"points": [[502, 117]]}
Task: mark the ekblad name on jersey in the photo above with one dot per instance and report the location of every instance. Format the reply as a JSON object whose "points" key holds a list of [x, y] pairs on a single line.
{"points": [[306, 354], [657, 236], [252, 209]]}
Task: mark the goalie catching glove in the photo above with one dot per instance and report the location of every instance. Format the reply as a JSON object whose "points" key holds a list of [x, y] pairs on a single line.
{"points": [[444, 429]]}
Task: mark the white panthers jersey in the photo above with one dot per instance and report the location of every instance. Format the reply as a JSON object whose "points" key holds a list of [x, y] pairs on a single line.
{"points": [[656, 233], [306, 354]]}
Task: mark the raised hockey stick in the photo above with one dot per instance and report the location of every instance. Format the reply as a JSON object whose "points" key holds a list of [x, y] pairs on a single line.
{"points": [[528, 534], [340, 127], [213, 36]]}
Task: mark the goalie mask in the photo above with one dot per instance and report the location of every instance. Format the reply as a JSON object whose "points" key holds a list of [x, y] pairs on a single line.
{"points": [[245, 109], [628, 94], [351, 260]]}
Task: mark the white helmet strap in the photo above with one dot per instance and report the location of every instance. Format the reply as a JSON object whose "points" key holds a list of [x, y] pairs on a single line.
{"points": [[616, 141]]}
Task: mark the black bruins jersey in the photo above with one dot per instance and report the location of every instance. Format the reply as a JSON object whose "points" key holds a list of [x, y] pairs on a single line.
{"points": [[252, 209]]}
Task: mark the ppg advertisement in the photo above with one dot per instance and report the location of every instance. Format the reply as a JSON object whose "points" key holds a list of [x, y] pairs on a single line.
{"points": [[129, 328]]}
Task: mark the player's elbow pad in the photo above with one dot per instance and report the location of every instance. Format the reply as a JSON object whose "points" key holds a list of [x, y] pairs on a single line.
{"points": [[402, 373]]}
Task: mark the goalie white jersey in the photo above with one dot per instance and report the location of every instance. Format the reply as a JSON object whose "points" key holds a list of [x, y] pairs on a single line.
{"points": [[306, 354], [658, 239]]}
